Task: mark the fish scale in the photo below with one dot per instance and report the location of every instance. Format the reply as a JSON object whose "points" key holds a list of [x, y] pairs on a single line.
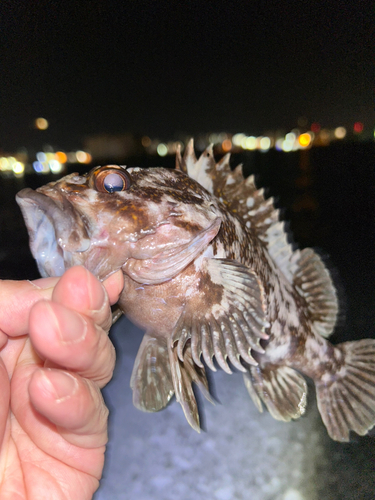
{"points": [[211, 277]]}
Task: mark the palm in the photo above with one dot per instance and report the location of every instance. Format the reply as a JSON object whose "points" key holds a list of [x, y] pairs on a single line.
{"points": [[53, 445]]}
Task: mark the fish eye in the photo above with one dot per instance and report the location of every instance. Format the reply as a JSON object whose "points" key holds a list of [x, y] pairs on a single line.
{"points": [[111, 180]]}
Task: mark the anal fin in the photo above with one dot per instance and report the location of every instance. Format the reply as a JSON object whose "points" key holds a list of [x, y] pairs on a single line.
{"points": [[280, 388], [151, 378]]}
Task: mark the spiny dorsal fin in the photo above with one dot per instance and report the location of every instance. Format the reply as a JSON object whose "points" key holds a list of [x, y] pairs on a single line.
{"points": [[241, 197], [304, 269]]}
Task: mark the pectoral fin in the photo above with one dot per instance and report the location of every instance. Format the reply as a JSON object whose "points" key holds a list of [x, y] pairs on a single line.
{"points": [[227, 320]]}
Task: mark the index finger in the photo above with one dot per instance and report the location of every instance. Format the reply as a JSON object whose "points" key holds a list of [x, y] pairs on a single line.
{"points": [[17, 298], [79, 290]]}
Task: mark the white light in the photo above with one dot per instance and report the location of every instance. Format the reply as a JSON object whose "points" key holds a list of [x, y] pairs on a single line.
{"points": [[81, 156], [18, 168], [162, 149], [55, 166], [251, 142], [291, 137], [340, 132], [41, 156], [287, 146], [237, 139], [265, 143], [4, 164]]}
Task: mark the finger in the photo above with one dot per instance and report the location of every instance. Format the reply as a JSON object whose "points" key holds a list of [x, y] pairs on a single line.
{"points": [[16, 298], [79, 290], [73, 404], [71, 340], [4, 399]]}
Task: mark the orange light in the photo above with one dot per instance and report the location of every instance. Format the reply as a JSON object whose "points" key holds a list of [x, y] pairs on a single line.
{"points": [[226, 145], [358, 127], [83, 157], [61, 157], [41, 123], [304, 140]]}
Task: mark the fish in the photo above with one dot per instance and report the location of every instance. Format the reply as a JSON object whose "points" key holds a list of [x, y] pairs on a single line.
{"points": [[213, 281]]}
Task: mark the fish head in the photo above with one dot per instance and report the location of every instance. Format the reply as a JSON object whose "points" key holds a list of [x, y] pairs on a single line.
{"points": [[151, 223]]}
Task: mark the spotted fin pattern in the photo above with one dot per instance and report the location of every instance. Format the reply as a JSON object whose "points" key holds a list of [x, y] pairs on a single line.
{"points": [[346, 399], [229, 329], [313, 282], [304, 269], [280, 388]]}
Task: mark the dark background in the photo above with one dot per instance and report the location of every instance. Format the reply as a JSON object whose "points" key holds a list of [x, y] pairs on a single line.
{"points": [[161, 67]]}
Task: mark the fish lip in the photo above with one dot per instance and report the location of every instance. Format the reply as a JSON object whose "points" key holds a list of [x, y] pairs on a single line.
{"points": [[52, 227]]}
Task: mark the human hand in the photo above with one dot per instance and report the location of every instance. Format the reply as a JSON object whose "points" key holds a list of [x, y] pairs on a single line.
{"points": [[55, 356]]}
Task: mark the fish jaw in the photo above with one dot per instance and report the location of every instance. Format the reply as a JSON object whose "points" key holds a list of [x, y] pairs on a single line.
{"points": [[55, 230]]}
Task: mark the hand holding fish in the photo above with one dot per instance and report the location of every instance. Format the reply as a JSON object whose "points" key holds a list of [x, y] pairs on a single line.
{"points": [[55, 356]]}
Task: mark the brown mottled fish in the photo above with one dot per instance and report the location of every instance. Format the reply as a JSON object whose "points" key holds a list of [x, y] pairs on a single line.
{"points": [[209, 275]]}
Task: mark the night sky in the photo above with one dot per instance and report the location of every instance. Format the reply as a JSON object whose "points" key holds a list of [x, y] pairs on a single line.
{"points": [[165, 67]]}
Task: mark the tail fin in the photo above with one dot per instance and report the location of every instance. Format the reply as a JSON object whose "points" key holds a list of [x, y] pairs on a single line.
{"points": [[347, 401]]}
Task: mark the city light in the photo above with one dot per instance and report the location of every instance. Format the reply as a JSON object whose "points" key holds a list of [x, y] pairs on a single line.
{"points": [[250, 143], [237, 139], [83, 157], [55, 166], [162, 149], [226, 145], [41, 124], [358, 127], [50, 162], [340, 132], [265, 144], [304, 140], [61, 157]]}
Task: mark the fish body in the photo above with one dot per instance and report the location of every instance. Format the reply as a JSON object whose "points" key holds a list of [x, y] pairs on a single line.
{"points": [[211, 278]]}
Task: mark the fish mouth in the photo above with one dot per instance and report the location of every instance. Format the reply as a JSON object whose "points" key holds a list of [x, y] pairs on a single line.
{"points": [[56, 231]]}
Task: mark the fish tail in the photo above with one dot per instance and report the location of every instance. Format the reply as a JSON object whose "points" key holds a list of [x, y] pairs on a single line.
{"points": [[346, 398]]}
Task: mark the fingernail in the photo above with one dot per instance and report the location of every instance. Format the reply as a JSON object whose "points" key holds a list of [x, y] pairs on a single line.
{"points": [[97, 297], [70, 326], [62, 385], [44, 283]]}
